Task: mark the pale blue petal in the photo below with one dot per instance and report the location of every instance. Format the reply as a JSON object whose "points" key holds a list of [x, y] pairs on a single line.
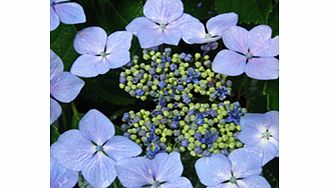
{"points": [[257, 37], [70, 13], [218, 24], [99, 171], [150, 37], [236, 38], [54, 19], [61, 177], [90, 66], [119, 147], [167, 167], [250, 136], [96, 127], [163, 11], [59, 1], [55, 111], [72, 150], [120, 40], [246, 162], [91, 40], [213, 170], [274, 119], [185, 18], [193, 32], [66, 87], [135, 172], [171, 36], [181, 182], [254, 182], [139, 24], [226, 185], [263, 68], [270, 149], [56, 65], [229, 63], [118, 58], [256, 120], [269, 49]]}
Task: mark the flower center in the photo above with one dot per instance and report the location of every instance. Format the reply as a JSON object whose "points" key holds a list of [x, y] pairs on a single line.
{"points": [[99, 148], [162, 27], [103, 54], [249, 55], [156, 184], [208, 36], [267, 134], [233, 180]]}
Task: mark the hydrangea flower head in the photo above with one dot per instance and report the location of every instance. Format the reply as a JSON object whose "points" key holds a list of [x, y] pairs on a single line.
{"points": [[164, 171], [195, 32], [99, 52], [241, 169], [61, 176], [63, 86], [161, 24], [252, 52], [93, 149], [261, 131], [66, 12]]}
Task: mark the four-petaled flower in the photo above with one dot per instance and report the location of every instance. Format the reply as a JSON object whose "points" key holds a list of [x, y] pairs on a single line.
{"points": [[195, 32], [100, 52], [240, 169], [164, 171], [261, 131], [61, 177], [93, 149], [63, 86], [66, 12], [252, 52], [161, 23]]}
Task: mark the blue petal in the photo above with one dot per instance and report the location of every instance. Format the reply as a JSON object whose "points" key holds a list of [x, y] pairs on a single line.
{"points": [[54, 20], [163, 11], [254, 182], [270, 149], [181, 182], [236, 38], [91, 40], [61, 176], [258, 37], [120, 40], [139, 24], [56, 65], [167, 167], [274, 119], [229, 63], [90, 66], [246, 162], [213, 170], [66, 87], [150, 37], [119, 147], [263, 68], [72, 150], [55, 111], [96, 127], [171, 36], [226, 185], [118, 58], [134, 172], [185, 18], [218, 24], [99, 171], [250, 136], [269, 49], [193, 32], [70, 13], [255, 120]]}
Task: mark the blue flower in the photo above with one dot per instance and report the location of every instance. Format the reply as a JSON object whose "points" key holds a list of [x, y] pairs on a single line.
{"points": [[93, 149], [61, 176], [251, 51], [261, 131], [66, 12], [195, 32], [164, 171], [99, 52], [161, 23], [63, 86], [241, 168]]}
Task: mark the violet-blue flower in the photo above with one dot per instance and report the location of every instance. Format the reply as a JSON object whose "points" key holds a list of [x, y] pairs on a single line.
{"points": [[61, 177], [99, 52], [261, 131], [64, 86], [195, 32], [252, 52], [241, 169], [164, 171], [161, 24], [93, 149], [66, 12]]}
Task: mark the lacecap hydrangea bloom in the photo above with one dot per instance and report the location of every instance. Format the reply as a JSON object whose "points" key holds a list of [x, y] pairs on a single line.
{"points": [[195, 32], [252, 52], [99, 52], [93, 149], [61, 177], [66, 12], [261, 131], [241, 169], [64, 86], [161, 24], [164, 171]]}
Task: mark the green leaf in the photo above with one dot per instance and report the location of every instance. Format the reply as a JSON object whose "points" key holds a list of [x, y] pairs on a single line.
{"points": [[200, 9], [273, 20], [62, 44], [249, 11], [256, 101], [54, 134], [271, 91]]}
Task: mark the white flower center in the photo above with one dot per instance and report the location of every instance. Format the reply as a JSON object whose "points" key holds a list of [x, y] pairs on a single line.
{"points": [[266, 135], [248, 55]]}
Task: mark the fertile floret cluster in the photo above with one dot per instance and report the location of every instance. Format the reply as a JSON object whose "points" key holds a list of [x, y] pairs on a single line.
{"points": [[181, 121]]}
